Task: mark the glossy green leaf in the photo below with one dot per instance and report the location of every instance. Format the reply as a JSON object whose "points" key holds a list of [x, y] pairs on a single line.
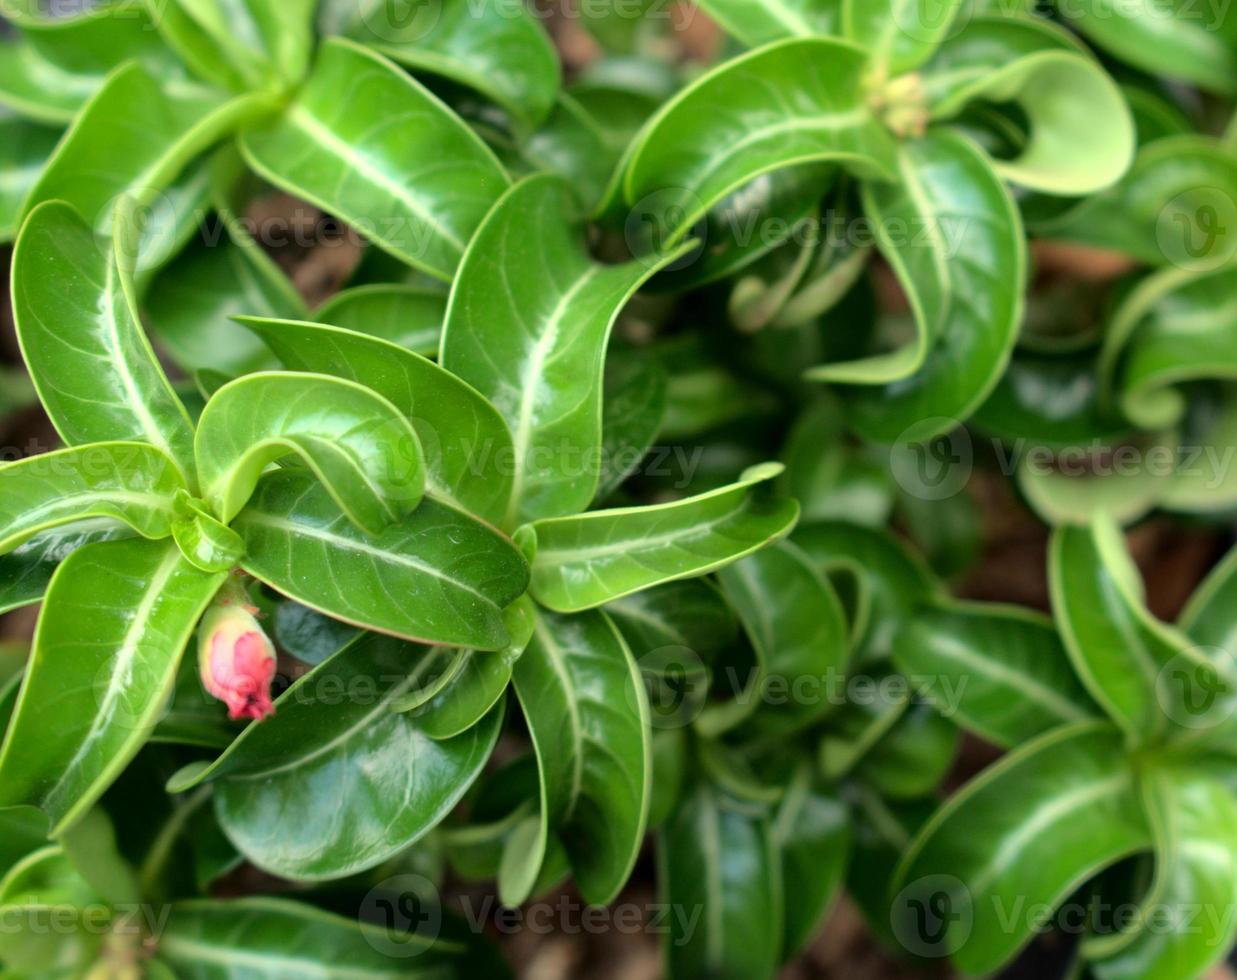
{"points": [[438, 576], [76, 319], [692, 614], [1081, 136], [1177, 39], [583, 562], [409, 316], [26, 571], [756, 24], [812, 832], [720, 866], [1130, 663], [912, 759], [966, 287], [308, 635], [271, 938], [24, 149], [987, 870], [128, 482], [791, 102], [999, 671], [117, 617], [358, 444], [585, 705], [1194, 820], [390, 781], [528, 325], [633, 409], [496, 47], [375, 158], [900, 34], [464, 441]]}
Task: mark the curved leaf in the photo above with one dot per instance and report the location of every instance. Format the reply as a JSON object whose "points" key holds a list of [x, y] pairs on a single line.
{"points": [[26, 571], [759, 23], [116, 620], [1007, 666], [968, 294], [1081, 136], [365, 142], [128, 482], [987, 870], [900, 34], [585, 705], [788, 103], [24, 149], [465, 442], [334, 731], [496, 47], [409, 316], [528, 324], [358, 444], [719, 867], [438, 576], [586, 561], [73, 304], [912, 758]]}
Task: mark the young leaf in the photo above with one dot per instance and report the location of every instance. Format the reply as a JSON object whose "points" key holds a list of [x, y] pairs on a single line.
{"points": [[789, 103], [585, 705], [528, 325], [276, 937], [116, 620], [408, 316], [73, 304], [365, 142], [966, 288], [438, 576], [758, 23], [989, 868], [334, 731], [586, 561], [720, 865], [900, 34], [128, 482], [1081, 137], [1006, 667], [496, 47], [465, 442], [358, 444]]}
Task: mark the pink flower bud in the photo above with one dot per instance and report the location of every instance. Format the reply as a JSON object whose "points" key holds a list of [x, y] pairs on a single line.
{"points": [[236, 660]]}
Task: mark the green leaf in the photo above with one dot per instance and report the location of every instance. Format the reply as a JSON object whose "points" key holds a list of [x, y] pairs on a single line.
{"points": [[26, 571], [966, 288], [913, 757], [116, 619], [758, 23], [998, 671], [986, 872], [585, 705], [358, 444], [691, 614], [365, 142], [464, 441], [247, 45], [408, 316], [1194, 821], [73, 304], [791, 102], [438, 576], [812, 831], [24, 149], [334, 729], [1177, 39], [128, 482], [719, 867], [272, 938], [528, 325], [1081, 136], [496, 47], [900, 34], [634, 407], [798, 629], [586, 561], [1129, 662]]}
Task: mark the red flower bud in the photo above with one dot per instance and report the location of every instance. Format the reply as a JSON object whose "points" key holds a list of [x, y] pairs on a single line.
{"points": [[236, 661]]}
